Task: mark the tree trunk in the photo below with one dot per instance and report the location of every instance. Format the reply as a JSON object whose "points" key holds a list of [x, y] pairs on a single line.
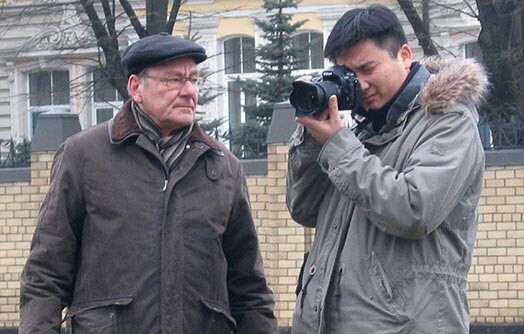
{"points": [[501, 41]]}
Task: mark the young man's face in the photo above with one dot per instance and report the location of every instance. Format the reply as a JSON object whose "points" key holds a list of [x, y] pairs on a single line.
{"points": [[171, 106], [380, 75]]}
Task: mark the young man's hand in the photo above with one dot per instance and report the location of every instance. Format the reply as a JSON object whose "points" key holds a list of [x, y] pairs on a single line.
{"points": [[325, 124]]}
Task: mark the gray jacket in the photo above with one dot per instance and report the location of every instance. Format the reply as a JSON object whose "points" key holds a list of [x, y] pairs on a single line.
{"points": [[132, 248], [395, 213]]}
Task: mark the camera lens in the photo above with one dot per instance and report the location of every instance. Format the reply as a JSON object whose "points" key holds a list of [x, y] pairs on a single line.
{"points": [[311, 97], [306, 97]]}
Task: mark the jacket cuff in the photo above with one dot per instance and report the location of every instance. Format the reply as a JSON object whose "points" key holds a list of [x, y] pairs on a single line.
{"points": [[340, 144]]}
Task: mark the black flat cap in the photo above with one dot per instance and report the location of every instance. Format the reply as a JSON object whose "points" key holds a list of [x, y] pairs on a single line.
{"points": [[156, 49]]}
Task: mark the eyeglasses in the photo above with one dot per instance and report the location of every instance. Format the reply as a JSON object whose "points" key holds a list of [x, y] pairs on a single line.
{"points": [[177, 82]]}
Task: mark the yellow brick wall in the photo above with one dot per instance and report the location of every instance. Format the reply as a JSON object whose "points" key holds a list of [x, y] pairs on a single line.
{"points": [[496, 288], [19, 204]]}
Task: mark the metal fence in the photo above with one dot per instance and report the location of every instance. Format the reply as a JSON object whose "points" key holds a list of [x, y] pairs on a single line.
{"points": [[502, 131]]}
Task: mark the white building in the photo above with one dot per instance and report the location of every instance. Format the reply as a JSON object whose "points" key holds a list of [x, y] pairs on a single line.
{"points": [[48, 56]]}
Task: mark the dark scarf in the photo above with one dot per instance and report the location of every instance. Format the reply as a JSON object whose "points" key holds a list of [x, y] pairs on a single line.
{"points": [[170, 147], [390, 112]]}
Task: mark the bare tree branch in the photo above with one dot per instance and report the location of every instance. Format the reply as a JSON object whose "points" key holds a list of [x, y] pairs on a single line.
{"points": [[421, 31], [133, 18], [110, 17], [175, 7], [156, 14]]}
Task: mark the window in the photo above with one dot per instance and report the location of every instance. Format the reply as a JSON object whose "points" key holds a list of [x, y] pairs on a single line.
{"points": [[239, 55], [106, 99], [239, 59], [312, 45], [239, 63], [238, 98], [48, 91]]}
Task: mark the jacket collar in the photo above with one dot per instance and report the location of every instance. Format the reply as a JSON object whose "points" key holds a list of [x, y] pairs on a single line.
{"points": [[437, 84], [407, 95], [123, 127], [452, 81]]}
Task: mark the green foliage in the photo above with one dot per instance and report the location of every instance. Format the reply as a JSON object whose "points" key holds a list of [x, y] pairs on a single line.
{"points": [[213, 127], [274, 61], [17, 154], [250, 142]]}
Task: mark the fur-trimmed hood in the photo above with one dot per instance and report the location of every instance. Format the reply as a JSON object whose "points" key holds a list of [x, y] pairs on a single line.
{"points": [[453, 81]]}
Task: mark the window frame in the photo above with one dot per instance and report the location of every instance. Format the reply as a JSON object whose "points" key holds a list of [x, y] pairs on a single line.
{"points": [[33, 111], [311, 49], [229, 79]]}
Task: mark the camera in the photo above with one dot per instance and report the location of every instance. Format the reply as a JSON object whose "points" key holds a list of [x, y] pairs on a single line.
{"points": [[312, 97]]}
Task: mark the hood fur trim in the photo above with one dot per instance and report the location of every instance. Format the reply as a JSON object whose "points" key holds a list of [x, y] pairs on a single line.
{"points": [[453, 81]]}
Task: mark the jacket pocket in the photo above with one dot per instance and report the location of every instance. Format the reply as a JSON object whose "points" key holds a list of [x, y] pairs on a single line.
{"points": [[222, 322], [301, 275], [99, 317], [386, 294]]}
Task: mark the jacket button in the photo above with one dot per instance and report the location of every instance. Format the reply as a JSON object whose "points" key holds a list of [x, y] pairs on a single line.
{"points": [[188, 147], [312, 270]]}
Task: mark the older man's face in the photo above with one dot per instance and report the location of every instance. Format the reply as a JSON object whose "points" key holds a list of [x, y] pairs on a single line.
{"points": [[168, 93]]}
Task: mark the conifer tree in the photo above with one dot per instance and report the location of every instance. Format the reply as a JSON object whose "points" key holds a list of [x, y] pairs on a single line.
{"points": [[274, 60]]}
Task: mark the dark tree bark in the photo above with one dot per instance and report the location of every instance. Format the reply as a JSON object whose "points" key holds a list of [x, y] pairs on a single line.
{"points": [[157, 20], [420, 27], [107, 41], [501, 41]]}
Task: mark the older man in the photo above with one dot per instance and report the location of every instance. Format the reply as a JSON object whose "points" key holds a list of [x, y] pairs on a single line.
{"points": [[146, 227]]}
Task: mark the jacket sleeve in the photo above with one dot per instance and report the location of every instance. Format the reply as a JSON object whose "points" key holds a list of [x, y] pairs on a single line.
{"points": [[412, 202], [306, 183], [251, 300], [47, 279]]}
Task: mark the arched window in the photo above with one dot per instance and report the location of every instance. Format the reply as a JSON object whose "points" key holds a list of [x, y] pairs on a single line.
{"points": [[312, 55], [239, 55], [48, 91], [239, 60]]}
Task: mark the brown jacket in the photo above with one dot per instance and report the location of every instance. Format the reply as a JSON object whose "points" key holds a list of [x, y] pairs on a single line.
{"points": [[132, 248]]}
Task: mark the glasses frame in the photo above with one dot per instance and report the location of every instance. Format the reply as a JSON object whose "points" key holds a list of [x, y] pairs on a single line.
{"points": [[176, 82]]}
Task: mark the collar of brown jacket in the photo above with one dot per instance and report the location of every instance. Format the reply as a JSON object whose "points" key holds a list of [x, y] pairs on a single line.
{"points": [[123, 127]]}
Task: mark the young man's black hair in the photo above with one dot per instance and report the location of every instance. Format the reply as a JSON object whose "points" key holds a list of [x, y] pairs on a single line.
{"points": [[375, 22]]}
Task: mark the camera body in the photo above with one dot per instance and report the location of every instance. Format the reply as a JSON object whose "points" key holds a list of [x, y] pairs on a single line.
{"points": [[312, 97]]}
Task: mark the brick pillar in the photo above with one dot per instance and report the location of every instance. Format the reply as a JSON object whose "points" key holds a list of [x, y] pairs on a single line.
{"points": [[19, 206], [288, 240], [496, 278]]}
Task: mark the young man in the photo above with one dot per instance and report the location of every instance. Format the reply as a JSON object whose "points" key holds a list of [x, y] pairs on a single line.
{"points": [[394, 202], [147, 225]]}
